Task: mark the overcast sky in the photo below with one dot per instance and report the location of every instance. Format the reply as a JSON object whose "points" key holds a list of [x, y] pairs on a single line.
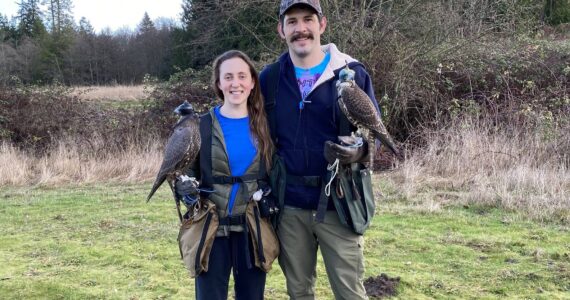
{"points": [[114, 14]]}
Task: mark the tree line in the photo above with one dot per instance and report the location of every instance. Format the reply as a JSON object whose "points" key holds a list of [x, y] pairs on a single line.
{"points": [[43, 43]]}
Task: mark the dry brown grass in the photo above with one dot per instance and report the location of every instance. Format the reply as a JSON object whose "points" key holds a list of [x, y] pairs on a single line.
{"points": [[111, 93], [67, 164], [470, 163]]}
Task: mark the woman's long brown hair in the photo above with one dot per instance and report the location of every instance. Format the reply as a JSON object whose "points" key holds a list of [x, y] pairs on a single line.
{"points": [[255, 104]]}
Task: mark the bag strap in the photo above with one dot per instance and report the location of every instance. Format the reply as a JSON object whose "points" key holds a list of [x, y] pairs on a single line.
{"points": [[201, 243], [206, 151], [271, 97], [235, 179], [260, 253]]}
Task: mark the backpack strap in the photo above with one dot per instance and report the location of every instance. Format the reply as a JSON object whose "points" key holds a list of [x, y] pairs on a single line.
{"points": [[277, 178], [271, 97], [206, 152], [236, 179]]}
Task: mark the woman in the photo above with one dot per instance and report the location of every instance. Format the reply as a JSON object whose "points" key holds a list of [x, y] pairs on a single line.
{"points": [[240, 146]]}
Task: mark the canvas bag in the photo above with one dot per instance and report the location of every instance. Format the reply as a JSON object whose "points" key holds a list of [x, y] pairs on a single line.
{"points": [[263, 237], [355, 206], [196, 236]]}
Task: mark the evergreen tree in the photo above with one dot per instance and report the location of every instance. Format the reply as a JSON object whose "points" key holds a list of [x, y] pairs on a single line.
{"points": [[30, 19], [146, 26], [557, 11], [55, 49], [147, 49], [213, 26], [60, 17], [7, 32], [85, 27]]}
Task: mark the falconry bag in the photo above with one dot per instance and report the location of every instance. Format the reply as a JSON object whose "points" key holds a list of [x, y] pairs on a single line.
{"points": [[196, 236], [353, 197], [263, 237]]}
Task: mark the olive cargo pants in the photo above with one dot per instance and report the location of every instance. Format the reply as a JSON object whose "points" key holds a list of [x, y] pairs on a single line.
{"points": [[342, 252]]}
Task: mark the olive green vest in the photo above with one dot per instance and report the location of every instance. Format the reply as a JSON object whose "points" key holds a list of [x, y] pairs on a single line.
{"points": [[221, 168]]}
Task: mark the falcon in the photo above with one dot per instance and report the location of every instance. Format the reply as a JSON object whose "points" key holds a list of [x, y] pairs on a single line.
{"points": [[361, 112], [181, 149]]}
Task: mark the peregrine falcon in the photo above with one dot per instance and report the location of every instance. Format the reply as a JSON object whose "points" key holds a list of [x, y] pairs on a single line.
{"points": [[181, 149], [360, 112]]}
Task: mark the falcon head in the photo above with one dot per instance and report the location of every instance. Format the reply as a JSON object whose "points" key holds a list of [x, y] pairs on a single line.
{"points": [[346, 74], [184, 109], [345, 78]]}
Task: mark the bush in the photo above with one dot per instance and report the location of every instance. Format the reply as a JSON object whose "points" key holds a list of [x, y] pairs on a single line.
{"points": [[190, 85], [521, 83], [38, 118]]}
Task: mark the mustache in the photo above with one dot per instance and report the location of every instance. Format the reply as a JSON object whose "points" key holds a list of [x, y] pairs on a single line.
{"points": [[301, 35]]}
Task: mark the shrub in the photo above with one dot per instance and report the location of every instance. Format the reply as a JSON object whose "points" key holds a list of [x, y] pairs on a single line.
{"points": [[190, 85], [38, 118]]}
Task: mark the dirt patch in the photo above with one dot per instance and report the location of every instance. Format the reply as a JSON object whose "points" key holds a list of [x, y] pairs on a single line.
{"points": [[381, 286]]}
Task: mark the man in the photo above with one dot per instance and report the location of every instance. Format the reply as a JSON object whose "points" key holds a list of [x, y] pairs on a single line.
{"points": [[304, 119]]}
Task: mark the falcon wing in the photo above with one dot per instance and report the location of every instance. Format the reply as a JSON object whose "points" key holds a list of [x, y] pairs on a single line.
{"points": [[362, 110], [181, 149]]}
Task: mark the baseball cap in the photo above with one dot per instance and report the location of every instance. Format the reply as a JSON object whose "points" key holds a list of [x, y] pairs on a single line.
{"points": [[286, 4]]}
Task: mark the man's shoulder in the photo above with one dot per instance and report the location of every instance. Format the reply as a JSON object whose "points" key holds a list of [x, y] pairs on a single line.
{"points": [[266, 70]]}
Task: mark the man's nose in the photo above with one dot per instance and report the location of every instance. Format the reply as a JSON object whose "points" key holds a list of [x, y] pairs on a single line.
{"points": [[300, 28]]}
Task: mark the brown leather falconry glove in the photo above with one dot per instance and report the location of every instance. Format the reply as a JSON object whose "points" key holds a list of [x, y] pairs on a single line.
{"points": [[350, 150]]}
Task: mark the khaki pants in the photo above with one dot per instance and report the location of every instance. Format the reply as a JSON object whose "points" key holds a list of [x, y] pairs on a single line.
{"points": [[342, 252]]}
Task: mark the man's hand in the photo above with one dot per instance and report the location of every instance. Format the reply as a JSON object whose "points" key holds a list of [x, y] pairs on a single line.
{"points": [[350, 150]]}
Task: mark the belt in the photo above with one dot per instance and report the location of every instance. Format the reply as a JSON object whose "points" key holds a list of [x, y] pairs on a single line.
{"points": [[311, 181], [233, 220]]}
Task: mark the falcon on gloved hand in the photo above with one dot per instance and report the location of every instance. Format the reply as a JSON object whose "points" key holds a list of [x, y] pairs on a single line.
{"points": [[181, 149], [361, 112]]}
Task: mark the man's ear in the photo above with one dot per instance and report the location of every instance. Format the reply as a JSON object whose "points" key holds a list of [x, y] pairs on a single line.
{"points": [[323, 24], [280, 30]]}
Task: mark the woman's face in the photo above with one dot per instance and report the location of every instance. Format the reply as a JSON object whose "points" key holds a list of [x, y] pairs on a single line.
{"points": [[235, 82]]}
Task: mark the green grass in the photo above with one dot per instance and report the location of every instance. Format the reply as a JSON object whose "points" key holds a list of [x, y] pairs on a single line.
{"points": [[105, 242]]}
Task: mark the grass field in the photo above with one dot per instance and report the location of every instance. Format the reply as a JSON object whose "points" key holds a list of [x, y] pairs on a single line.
{"points": [[105, 242]]}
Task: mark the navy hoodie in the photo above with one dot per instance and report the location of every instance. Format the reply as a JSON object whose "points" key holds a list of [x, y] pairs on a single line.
{"points": [[301, 134]]}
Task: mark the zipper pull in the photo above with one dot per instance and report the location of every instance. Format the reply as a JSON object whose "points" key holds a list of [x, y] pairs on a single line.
{"points": [[302, 104]]}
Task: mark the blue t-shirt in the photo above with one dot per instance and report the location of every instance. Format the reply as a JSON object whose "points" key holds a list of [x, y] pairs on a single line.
{"points": [[240, 147], [306, 78]]}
